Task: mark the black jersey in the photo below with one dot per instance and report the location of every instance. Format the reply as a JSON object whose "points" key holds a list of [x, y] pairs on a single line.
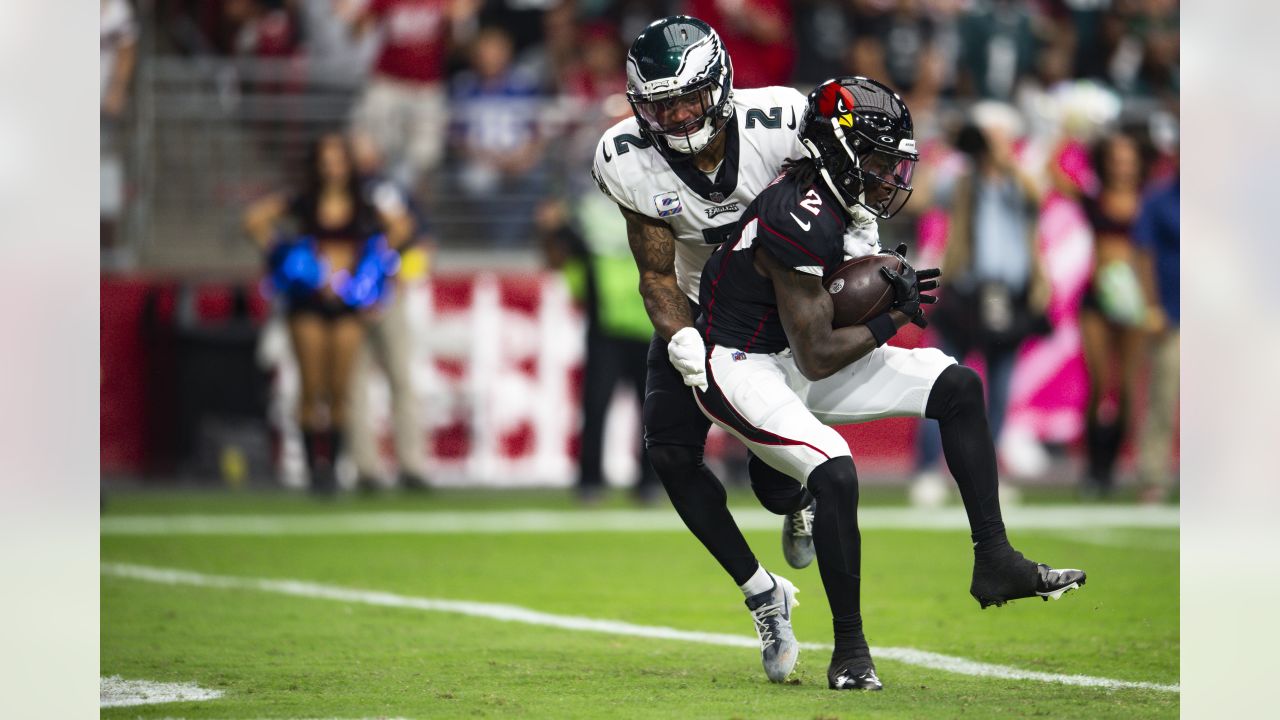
{"points": [[803, 228]]}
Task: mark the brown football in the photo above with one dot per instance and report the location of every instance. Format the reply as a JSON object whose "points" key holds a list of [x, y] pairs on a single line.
{"points": [[858, 291]]}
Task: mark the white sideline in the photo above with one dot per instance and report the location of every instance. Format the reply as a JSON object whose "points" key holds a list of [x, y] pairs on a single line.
{"points": [[514, 613], [115, 691], [1058, 517]]}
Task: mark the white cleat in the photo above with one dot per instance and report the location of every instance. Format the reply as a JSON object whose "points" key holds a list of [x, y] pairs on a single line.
{"points": [[771, 611]]}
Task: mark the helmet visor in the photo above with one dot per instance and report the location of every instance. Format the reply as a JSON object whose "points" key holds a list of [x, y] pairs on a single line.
{"points": [[886, 182], [680, 114]]}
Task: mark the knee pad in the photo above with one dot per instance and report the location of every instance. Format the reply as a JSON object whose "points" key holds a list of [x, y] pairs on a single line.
{"points": [[836, 476], [957, 392]]}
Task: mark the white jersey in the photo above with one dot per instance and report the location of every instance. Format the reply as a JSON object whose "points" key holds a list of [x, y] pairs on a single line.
{"points": [[703, 210]]}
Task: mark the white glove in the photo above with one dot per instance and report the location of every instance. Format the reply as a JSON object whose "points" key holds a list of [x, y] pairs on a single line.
{"points": [[861, 239], [689, 355]]}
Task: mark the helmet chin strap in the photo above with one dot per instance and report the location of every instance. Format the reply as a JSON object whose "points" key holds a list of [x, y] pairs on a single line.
{"points": [[692, 143], [861, 215]]}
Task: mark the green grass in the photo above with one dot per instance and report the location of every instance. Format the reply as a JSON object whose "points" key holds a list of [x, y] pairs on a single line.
{"points": [[280, 656]]}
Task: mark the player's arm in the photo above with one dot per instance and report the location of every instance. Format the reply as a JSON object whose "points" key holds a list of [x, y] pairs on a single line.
{"points": [[805, 309], [654, 247]]}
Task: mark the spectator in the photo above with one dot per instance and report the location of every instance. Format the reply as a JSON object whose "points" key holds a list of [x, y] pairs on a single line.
{"points": [[998, 291], [1113, 309], [325, 326], [999, 48], [756, 34], [390, 343], [404, 108], [498, 140], [118, 36], [335, 55], [1157, 233], [591, 248]]}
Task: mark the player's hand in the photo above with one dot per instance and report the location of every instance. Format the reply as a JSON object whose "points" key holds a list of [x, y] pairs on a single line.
{"points": [[909, 287], [689, 355]]}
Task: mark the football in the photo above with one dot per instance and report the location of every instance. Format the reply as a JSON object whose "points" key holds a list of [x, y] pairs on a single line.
{"points": [[858, 291]]}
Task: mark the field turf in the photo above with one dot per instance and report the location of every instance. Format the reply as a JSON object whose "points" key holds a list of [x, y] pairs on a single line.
{"points": [[275, 655]]}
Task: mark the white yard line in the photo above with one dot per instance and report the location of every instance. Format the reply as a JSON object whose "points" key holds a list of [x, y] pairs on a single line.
{"points": [[1058, 517], [115, 691], [514, 613]]}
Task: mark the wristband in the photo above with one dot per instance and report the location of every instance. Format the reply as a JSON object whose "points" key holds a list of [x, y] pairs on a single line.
{"points": [[882, 328]]}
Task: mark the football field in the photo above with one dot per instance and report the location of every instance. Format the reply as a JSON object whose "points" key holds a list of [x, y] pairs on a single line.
{"points": [[467, 604]]}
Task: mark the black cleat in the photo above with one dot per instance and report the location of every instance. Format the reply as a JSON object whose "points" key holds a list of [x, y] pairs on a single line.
{"points": [[1006, 575], [797, 536], [853, 674]]}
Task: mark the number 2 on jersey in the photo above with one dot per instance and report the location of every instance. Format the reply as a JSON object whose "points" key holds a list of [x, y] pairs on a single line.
{"points": [[812, 202]]}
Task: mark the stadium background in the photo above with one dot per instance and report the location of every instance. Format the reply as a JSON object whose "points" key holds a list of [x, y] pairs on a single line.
{"points": [[226, 97]]}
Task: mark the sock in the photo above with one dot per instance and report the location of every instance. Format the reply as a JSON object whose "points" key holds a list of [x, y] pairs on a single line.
{"points": [[835, 535], [759, 582], [850, 641], [957, 403]]}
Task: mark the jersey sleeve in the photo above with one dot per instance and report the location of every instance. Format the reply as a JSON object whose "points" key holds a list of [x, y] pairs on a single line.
{"points": [[604, 170], [792, 232]]}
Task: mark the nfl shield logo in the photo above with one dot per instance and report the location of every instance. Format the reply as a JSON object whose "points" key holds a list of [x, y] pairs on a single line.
{"points": [[739, 355], [668, 203]]}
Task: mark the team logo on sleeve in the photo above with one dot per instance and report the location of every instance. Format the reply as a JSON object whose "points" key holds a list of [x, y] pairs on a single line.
{"points": [[668, 204]]}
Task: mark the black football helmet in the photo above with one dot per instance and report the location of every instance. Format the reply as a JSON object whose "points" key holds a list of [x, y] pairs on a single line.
{"points": [[859, 134], [679, 84]]}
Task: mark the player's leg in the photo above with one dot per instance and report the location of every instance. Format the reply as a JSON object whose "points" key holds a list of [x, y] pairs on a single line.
{"points": [[782, 495], [749, 396], [675, 432], [1000, 573], [895, 382]]}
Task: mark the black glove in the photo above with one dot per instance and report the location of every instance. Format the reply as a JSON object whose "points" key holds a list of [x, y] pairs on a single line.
{"points": [[909, 286]]}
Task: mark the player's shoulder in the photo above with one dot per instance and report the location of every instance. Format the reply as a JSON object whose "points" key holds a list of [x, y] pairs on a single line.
{"points": [[623, 160], [788, 207], [617, 144], [768, 96]]}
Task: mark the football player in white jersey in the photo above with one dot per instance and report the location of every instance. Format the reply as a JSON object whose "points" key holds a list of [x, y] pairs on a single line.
{"points": [[682, 171]]}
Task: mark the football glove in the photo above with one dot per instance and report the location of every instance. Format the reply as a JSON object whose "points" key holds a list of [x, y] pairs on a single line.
{"points": [[689, 355], [909, 286]]}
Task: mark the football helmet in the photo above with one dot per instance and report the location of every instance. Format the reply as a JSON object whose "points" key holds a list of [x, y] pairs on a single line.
{"points": [[859, 134], [679, 84]]}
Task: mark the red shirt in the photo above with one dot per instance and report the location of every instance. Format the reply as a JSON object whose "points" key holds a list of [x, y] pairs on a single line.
{"points": [[415, 39], [755, 63]]}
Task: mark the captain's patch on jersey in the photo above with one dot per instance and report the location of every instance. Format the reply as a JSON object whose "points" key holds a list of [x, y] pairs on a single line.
{"points": [[668, 204]]}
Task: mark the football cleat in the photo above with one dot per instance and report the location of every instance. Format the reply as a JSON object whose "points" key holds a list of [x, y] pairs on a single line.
{"points": [[853, 674], [771, 611], [797, 537], [1010, 576]]}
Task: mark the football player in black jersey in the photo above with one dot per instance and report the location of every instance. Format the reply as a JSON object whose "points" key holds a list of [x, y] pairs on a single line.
{"points": [[779, 376]]}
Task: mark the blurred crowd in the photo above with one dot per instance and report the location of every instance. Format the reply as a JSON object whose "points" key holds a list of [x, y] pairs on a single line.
{"points": [[1047, 188]]}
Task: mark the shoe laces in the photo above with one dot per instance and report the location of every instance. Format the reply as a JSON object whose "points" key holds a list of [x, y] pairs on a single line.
{"points": [[765, 628], [802, 523]]}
